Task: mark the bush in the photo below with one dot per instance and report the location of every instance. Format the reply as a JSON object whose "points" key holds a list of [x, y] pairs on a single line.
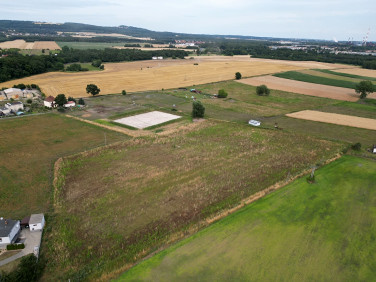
{"points": [[123, 92], [29, 101], [11, 247], [81, 101], [74, 67], [198, 110], [222, 93], [356, 146], [28, 270], [238, 75], [262, 90], [96, 63]]}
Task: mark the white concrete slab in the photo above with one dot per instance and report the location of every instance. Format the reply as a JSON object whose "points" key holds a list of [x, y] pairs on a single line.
{"points": [[148, 119]]}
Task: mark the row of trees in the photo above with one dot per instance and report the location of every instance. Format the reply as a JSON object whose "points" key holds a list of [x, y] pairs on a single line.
{"points": [[16, 65]]}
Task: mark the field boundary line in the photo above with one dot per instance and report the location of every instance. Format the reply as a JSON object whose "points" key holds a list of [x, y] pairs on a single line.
{"points": [[181, 235]]}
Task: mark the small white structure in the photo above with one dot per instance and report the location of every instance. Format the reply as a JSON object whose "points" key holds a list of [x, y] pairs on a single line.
{"points": [[69, 104], [254, 122], [49, 102], [374, 149], [15, 106], [36, 222], [160, 58], [4, 111], [9, 231], [155, 58]]}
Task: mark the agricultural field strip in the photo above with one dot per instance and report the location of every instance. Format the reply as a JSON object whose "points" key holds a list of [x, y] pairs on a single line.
{"points": [[347, 120], [302, 232], [357, 71], [342, 74], [37, 45], [155, 75], [305, 88]]}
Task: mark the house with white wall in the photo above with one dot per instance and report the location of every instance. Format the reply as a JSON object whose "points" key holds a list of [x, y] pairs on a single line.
{"points": [[9, 231], [15, 106], [49, 102], [36, 222]]}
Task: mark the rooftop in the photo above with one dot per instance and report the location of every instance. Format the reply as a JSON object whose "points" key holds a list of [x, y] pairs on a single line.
{"points": [[6, 225], [50, 99], [36, 218]]}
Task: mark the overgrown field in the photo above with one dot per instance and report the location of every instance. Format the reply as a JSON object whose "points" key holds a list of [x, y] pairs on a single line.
{"points": [[29, 146], [303, 232], [120, 204], [90, 45]]}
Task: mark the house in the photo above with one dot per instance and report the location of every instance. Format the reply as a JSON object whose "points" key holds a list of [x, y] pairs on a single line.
{"points": [[160, 58], [2, 96], [36, 222], [13, 93], [69, 104], [49, 102], [9, 231], [155, 58], [15, 106]]}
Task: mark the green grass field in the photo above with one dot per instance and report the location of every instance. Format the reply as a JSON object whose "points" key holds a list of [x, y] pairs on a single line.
{"points": [[149, 188], [29, 146], [89, 45], [303, 232], [295, 75]]}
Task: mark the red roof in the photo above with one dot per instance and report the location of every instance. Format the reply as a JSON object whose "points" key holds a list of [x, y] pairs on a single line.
{"points": [[50, 99]]}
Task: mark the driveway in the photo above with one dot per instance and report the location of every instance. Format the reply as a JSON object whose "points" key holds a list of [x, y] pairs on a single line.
{"points": [[32, 239]]}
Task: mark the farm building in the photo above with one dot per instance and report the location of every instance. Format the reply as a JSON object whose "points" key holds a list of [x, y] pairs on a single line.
{"points": [[36, 222], [4, 111], [25, 222], [13, 93], [9, 231], [49, 102], [15, 106], [374, 149], [2, 96], [69, 104]]}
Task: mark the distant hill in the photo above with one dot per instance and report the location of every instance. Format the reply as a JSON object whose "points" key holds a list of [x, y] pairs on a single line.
{"points": [[52, 29]]}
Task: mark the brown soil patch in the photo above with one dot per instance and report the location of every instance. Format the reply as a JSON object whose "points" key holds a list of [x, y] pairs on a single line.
{"points": [[37, 45], [347, 120], [158, 74], [358, 71], [305, 88]]}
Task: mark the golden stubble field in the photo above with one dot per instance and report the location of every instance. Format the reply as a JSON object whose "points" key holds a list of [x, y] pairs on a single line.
{"points": [[155, 75]]}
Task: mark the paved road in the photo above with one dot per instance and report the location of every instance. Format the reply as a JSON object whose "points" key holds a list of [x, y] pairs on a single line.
{"points": [[32, 239]]}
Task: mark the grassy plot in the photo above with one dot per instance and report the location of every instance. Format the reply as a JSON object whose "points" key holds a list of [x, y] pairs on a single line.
{"points": [[295, 75], [90, 45], [302, 232], [122, 203], [29, 146]]}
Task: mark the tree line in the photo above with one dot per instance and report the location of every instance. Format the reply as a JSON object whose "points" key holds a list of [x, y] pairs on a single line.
{"points": [[15, 65]]}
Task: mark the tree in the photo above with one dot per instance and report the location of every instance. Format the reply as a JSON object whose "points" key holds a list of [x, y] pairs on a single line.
{"points": [[123, 92], [238, 75], [81, 101], [92, 89], [364, 88], [60, 100], [198, 109], [222, 93], [71, 99], [262, 90]]}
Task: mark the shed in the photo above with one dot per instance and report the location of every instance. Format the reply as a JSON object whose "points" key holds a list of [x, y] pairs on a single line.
{"points": [[25, 222], [374, 149], [15, 106], [36, 222]]}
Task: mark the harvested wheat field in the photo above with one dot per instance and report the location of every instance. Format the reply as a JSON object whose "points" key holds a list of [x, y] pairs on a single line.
{"points": [[358, 71], [155, 75], [37, 45], [305, 88], [366, 123]]}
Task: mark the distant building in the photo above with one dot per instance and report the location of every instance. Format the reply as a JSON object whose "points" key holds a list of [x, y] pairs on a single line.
{"points": [[160, 58], [69, 104], [2, 96], [49, 102], [9, 231], [374, 149], [36, 222], [4, 111], [15, 106], [155, 58]]}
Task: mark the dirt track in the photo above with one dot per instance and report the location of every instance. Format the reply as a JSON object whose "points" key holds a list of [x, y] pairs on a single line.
{"points": [[353, 121], [305, 88]]}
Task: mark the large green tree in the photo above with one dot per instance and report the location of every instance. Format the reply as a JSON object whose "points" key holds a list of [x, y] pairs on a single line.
{"points": [[60, 100], [364, 88], [92, 89], [198, 109]]}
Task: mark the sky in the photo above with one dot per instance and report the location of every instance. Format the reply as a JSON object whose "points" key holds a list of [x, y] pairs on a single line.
{"points": [[314, 19]]}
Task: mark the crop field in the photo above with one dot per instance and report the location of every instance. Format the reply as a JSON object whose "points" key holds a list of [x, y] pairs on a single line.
{"points": [[157, 75], [37, 45], [358, 71], [342, 75], [29, 146], [347, 120], [185, 177], [302, 232], [319, 77], [312, 89]]}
